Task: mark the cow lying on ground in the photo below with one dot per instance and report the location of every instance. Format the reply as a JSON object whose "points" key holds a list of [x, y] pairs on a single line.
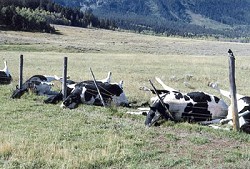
{"points": [[5, 76], [243, 104], [191, 107], [71, 85], [86, 92], [39, 84]]}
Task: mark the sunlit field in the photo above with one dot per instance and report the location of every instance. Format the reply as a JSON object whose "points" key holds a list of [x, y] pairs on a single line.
{"points": [[37, 135]]}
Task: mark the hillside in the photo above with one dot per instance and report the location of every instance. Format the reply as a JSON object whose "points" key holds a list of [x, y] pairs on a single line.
{"points": [[182, 17]]}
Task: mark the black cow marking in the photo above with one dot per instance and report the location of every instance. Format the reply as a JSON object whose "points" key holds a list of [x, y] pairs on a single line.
{"points": [[186, 98], [199, 96], [178, 95]]}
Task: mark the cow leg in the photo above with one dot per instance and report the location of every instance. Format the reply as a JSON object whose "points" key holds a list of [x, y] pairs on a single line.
{"points": [[223, 92], [215, 121], [218, 127], [224, 121], [144, 108], [244, 126], [165, 87], [137, 113]]}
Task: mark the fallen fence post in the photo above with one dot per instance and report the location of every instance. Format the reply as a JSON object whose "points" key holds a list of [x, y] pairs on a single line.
{"points": [[161, 101], [234, 107], [21, 72], [64, 83], [93, 76]]}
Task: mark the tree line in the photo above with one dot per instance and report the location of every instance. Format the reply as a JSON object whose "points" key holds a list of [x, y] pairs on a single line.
{"points": [[37, 15], [172, 17]]}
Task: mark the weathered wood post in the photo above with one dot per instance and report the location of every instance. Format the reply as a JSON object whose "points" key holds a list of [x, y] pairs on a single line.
{"points": [[234, 107], [64, 84], [93, 76], [21, 72]]}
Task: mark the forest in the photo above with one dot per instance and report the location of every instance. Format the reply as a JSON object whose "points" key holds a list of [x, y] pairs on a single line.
{"points": [[217, 18], [187, 18], [34, 15]]}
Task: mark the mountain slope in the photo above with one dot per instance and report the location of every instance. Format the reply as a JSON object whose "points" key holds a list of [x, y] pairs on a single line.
{"points": [[225, 17]]}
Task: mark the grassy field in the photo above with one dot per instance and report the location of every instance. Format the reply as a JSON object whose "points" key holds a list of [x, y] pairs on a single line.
{"points": [[36, 135]]}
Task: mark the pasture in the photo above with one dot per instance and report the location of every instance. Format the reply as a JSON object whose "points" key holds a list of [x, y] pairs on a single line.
{"points": [[37, 135]]}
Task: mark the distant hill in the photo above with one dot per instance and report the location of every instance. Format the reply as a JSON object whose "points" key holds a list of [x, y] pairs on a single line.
{"points": [[34, 15], [230, 18]]}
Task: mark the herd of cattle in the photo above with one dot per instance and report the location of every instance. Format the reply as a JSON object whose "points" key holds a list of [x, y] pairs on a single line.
{"points": [[169, 104]]}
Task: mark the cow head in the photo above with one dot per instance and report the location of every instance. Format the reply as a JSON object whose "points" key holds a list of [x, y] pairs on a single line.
{"points": [[156, 113], [73, 99], [31, 84], [34, 86], [25, 88], [19, 92]]}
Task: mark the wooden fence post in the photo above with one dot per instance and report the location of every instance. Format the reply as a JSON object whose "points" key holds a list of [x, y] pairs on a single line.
{"points": [[64, 84], [97, 88], [21, 72], [234, 107]]}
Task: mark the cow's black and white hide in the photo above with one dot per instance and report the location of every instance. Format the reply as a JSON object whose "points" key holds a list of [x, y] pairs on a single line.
{"points": [[243, 105], [86, 93], [39, 84], [5, 76], [70, 84], [191, 107]]}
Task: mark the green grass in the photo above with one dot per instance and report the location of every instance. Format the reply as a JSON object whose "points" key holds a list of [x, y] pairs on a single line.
{"points": [[37, 135]]}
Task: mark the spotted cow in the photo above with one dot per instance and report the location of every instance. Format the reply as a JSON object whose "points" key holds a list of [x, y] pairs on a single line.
{"points": [[71, 85], [243, 105], [86, 93], [39, 84], [191, 107]]}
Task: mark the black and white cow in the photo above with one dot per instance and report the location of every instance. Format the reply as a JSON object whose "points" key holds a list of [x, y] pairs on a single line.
{"points": [[191, 107], [243, 105], [86, 92], [71, 85], [39, 84], [5, 76]]}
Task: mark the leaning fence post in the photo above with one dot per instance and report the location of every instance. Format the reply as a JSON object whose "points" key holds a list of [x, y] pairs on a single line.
{"points": [[64, 84], [234, 107], [97, 88], [21, 72], [161, 101]]}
